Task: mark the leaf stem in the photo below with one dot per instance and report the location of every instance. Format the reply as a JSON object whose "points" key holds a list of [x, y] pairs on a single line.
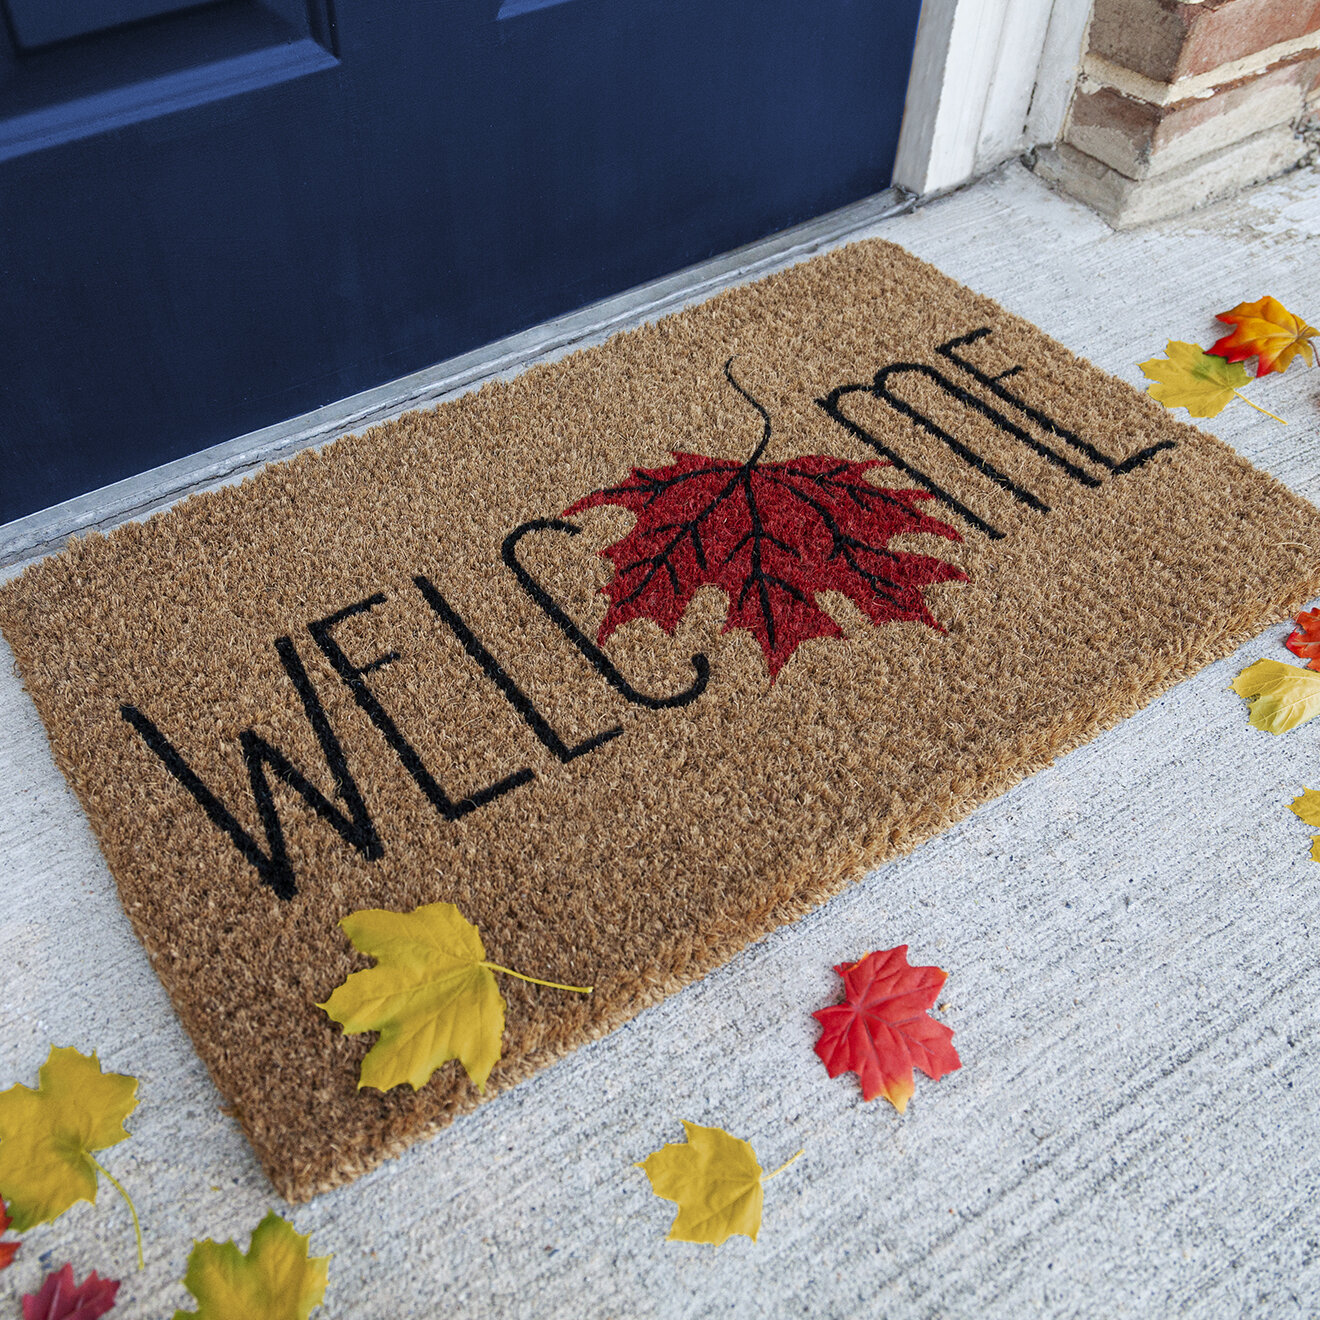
{"points": [[765, 417], [1258, 408], [128, 1200], [554, 985], [782, 1167]]}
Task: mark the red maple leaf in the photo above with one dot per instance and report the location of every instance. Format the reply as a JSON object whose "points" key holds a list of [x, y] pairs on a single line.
{"points": [[7, 1249], [1304, 640], [60, 1299], [881, 1031], [771, 535]]}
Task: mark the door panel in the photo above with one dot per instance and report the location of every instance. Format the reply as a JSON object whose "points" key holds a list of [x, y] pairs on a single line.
{"points": [[385, 191], [41, 22], [103, 80]]}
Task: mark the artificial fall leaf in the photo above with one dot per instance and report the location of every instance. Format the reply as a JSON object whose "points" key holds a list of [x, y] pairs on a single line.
{"points": [[881, 1030], [61, 1299], [1307, 806], [47, 1135], [1188, 378], [715, 1179], [1304, 640], [432, 995], [1267, 331], [7, 1249], [1282, 696], [771, 536], [274, 1280]]}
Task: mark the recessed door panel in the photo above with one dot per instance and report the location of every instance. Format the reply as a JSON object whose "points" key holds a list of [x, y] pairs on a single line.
{"points": [[38, 23]]}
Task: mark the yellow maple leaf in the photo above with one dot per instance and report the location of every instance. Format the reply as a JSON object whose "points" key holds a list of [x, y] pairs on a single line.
{"points": [[716, 1181], [1267, 331], [273, 1280], [432, 995], [1282, 696], [47, 1135], [1307, 806], [1200, 382]]}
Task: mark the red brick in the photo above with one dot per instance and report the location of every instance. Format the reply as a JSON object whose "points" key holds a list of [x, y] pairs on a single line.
{"points": [[1168, 39], [1140, 139]]}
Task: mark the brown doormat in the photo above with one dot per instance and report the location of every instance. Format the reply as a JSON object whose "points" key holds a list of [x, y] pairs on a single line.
{"points": [[632, 659]]}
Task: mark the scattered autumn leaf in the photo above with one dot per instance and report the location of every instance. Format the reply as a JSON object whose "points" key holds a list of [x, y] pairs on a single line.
{"points": [[1267, 331], [7, 1249], [771, 536], [1307, 806], [47, 1136], [881, 1031], [274, 1279], [1304, 640], [715, 1179], [432, 995], [61, 1299], [1188, 378], [1282, 696]]}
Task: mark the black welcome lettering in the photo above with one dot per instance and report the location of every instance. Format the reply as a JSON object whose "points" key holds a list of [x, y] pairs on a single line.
{"points": [[831, 405], [880, 389], [515, 696], [323, 634], [1043, 420], [272, 866], [597, 658]]}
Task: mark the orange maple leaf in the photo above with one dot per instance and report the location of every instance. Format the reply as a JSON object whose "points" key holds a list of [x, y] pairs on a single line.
{"points": [[1304, 640], [1267, 331], [881, 1030]]}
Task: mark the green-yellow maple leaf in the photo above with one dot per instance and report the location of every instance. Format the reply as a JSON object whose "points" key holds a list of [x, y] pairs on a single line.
{"points": [[715, 1179], [274, 1280], [432, 995], [47, 1135], [1198, 381], [1282, 696]]}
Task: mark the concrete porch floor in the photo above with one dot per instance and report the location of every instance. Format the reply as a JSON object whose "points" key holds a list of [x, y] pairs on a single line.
{"points": [[1132, 939]]}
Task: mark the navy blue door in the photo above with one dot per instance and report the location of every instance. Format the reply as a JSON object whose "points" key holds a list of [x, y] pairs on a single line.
{"points": [[214, 216]]}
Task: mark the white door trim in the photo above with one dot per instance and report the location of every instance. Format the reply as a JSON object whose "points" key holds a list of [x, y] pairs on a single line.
{"points": [[990, 79]]}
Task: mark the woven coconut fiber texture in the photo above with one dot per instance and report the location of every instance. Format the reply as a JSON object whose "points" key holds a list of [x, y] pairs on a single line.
{"points": [[370, 676]]}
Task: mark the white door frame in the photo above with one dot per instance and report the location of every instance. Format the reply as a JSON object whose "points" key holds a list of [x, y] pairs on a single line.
{"points": [[990, 79]]}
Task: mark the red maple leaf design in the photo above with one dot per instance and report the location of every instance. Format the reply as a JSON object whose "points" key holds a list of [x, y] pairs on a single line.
{"points": [[1304, 640], [60, 1299], [7, 1249], [881, 1030], [771, 535]]}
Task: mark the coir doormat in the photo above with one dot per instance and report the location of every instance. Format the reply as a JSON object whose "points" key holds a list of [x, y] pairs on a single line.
{"points": [[631, 659]]}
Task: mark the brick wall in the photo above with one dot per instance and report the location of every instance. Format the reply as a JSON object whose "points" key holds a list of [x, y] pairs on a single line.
{"points": [[1180, 102]]}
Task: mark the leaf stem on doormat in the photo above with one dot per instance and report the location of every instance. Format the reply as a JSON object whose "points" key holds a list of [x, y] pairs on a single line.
{"points": [[554, 985]]}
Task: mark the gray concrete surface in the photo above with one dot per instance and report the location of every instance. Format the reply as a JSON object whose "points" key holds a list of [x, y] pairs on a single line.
{"points": [[1132, 938]]}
